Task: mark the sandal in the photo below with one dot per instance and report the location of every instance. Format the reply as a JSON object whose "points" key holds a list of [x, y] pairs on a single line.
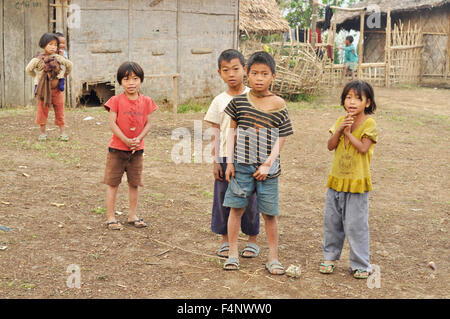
{"points": [[252, 248], [64, 137], [42, 137], [275, 264], [138, 223], [231, 264], [225, 247], [327, 269], [361, 274], [117, 227]]}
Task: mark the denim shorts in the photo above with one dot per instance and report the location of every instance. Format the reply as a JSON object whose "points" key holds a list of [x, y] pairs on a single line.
{"points": [[242, 186]]}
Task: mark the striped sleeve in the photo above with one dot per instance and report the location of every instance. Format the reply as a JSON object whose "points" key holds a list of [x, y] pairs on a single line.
{"points": [[231, 110], [285, 128]]}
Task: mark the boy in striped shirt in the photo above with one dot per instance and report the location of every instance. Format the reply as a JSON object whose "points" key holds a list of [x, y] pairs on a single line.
{"points": [[258, 129]]}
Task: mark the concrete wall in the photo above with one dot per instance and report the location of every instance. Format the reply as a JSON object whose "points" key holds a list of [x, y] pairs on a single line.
{"points": [[168, 36]]}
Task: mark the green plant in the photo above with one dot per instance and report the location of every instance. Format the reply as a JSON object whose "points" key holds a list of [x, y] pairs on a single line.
{"points": [[99, 210]]}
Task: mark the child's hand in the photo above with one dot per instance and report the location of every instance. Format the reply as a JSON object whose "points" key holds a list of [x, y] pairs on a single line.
{"points": [[136, 142], [217, 171], [129, 143], [262, 172], [229, 173], [346, 124]]}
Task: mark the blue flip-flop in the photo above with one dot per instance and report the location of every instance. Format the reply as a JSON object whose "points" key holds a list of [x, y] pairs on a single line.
{"points": [[252, 248], [223, 248], [231, 263]]}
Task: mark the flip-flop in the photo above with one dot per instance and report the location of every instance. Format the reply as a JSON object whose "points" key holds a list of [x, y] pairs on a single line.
{"points": [[64, 137], [223, 248], [42, 137], [116, 222], [359, 274], [327, 269], [231, 264], [136, 221], [275, 264], [252, 248]]}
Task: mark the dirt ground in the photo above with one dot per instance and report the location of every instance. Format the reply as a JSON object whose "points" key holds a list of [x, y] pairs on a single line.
{"points": [[175, 256]]}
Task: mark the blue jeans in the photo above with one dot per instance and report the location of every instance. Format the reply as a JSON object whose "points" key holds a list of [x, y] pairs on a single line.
{"points": [[243, 185]]}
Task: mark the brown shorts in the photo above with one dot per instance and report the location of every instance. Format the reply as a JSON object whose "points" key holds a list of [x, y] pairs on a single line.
{"points": [[119, 162]]}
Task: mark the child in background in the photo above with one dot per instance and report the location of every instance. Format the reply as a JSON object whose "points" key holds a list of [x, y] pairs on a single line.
{"points": [[350, 58], [261, 121], [62, 45], [231, 70], [130, 121], [62, 51], [347, 203], [49, 72]]}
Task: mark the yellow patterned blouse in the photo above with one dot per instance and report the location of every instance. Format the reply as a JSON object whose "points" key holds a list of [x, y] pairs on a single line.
{"points": [[350, 171]]}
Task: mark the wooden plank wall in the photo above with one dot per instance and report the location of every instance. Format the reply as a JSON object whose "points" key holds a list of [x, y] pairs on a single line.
{"points": [[22, 25], [13, 53]]}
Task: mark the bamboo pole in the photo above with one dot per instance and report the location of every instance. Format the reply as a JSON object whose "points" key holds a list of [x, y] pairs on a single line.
{"points": [[175, 95], [387, 49], [314, 24], [447, 73], [361, 40]]}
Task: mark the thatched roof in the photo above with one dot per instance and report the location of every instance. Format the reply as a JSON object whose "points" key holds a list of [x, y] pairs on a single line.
{"points": [[346, 19], [261, 16]]}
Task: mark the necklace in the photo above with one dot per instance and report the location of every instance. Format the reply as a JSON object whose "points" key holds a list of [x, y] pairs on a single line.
{"points": [[259, 95]]}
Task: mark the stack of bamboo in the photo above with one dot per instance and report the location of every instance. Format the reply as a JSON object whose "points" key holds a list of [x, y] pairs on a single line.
{"points": [[299, 69]]}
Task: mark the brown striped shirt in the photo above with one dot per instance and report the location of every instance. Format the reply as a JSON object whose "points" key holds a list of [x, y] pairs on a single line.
{"points": [[257, 132]]}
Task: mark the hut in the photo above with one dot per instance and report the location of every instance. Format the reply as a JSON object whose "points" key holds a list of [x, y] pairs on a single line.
{"points": [[176, 42], [423, 25], [261, 17]]}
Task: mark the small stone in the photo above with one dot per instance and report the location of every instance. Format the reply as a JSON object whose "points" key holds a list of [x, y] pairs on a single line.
{"points": [[3, 247], [383, 253], [432, 265], [293, 271]]}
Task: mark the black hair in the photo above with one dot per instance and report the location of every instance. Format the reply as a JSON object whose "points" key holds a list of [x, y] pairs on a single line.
{"points": [[261, 57], [47, 38], [59, 34], [126, 68], [229, 55], [360, 87], [349, 38]]}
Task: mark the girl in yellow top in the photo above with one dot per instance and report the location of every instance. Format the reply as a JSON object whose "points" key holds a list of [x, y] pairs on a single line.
{"points": [[347, 204]]}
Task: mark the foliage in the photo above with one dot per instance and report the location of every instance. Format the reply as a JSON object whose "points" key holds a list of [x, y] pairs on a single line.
{"points": [[299, 11]]}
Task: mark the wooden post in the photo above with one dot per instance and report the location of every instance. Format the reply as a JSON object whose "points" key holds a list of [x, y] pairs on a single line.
{"points": [[361, 40], [175, 94], [447, 73], [387, 50]]}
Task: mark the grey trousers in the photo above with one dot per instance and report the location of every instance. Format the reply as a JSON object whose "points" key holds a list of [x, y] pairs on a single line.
{"points": [[347, 214]]}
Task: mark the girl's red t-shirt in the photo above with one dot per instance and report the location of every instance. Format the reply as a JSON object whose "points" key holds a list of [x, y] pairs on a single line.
{"points": [[131, 117]]}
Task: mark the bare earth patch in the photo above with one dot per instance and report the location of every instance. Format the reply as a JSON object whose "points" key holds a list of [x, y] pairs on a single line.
{"points": [[52, 197]]}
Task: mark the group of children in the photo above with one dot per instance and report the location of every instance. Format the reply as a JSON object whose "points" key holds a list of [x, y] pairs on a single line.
{"points": [[247, 165], [252, 126]]}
